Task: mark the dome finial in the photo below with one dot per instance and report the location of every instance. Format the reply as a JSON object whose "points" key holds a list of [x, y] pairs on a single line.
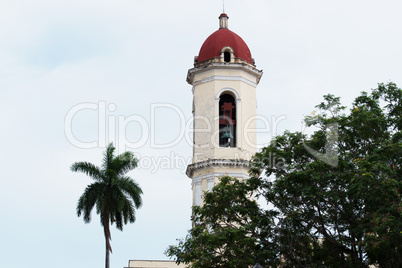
{"points": [[223, 21]]}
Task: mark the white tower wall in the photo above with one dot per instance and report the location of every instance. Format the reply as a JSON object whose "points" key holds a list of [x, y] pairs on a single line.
{"points": [[210, 79]]}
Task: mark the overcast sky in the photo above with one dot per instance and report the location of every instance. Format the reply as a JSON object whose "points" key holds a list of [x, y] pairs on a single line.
{"points": [[71, 70]]}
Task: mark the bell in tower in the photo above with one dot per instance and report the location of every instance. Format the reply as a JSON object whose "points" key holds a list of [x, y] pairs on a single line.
{"points": [[227, 121]]}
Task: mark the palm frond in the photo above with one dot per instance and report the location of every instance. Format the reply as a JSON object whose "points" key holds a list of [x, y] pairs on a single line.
{"points": [[119, 222], [124, 162], [88, 199], [108, 157], [132, 189], [121, 207], [128, 212], [89, 169], [101, 208]]}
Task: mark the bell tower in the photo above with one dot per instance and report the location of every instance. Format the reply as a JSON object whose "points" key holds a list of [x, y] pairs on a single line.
{"points": [[224, 80]]}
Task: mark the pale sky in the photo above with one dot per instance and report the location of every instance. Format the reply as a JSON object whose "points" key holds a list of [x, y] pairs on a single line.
{"points": [[130, 57]]}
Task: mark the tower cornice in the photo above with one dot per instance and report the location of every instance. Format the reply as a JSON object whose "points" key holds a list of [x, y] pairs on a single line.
{"points": [[232, 163], [223, 66]]}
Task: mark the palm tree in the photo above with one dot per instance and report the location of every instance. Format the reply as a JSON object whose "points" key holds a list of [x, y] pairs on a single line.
{"points": [[115, 195]]}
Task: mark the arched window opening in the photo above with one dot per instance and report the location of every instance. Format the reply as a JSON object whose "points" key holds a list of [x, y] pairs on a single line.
{"points": [[227, 121], [226, 56]]}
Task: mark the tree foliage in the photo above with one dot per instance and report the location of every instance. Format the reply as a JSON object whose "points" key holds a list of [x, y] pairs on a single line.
{"points": [[114, 195], [229, 230], [335, 193], [348, 214]]}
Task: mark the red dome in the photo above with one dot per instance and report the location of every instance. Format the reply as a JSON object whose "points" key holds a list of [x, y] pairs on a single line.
{"points": [[221, 38]]}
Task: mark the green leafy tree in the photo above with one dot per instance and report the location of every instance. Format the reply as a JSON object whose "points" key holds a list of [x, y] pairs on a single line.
{"points": [[338, 190], [229, 230], [115, 195], [335, 195]]}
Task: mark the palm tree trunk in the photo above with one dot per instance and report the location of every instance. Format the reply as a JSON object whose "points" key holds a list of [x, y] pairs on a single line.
{"points": [[107, 261], [106, 230]]}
